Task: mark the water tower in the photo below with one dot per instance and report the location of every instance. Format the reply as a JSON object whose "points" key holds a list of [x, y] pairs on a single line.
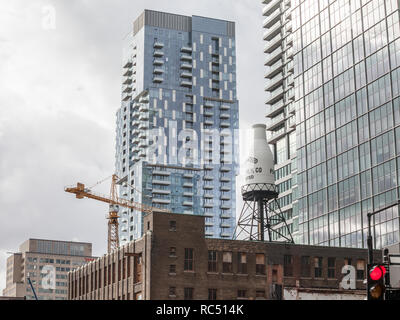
{"points": [[261, 216]]}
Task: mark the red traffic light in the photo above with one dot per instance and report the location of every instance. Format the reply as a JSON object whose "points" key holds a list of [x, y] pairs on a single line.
{"points": [[377, 273]]}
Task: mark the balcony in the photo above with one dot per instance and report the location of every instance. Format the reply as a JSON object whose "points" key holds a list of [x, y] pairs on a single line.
{"points": [[158, 71], [186, 58], [164, 192], [272, 19], [188, 185], [186, 83], [225, 116], [188, 75], [158, 53], [208, 178], [126, 96], [273, 44], [187, 66], [161, 173], [208, 187], [158, 62], [271, 7], [269, 34], [128, 65], [225, 169], [275, 96], [188, 194], [225, 107], [225, 189], [161, 201], [274, 136], [128, 81], [273, 70], [275, 82], [188, 204], [224, 124], [158, 79], [144, 108], [273, 57], [276, 122], [225, 179], [127, 73], [127, 89], [273, 110], [188, 175], [158, 45], [186, 49], [161, 182]]}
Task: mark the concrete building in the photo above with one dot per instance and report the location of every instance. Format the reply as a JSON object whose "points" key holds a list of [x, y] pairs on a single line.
{"points": [[175, 261], [175, 145], [333, 77], [46, 263]]}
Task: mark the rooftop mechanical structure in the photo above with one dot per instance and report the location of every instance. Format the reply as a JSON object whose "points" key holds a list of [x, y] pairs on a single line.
{"points": [[261, 218]]}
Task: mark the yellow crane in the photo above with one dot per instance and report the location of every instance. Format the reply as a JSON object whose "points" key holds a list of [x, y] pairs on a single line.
{"points": [[114, 201]]}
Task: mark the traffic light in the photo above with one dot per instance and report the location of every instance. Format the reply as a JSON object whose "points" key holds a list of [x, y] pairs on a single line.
{"points": [[376, 282]]}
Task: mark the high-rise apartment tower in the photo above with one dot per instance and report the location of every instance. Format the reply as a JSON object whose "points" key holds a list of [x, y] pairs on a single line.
{"points": [[176, 144]]}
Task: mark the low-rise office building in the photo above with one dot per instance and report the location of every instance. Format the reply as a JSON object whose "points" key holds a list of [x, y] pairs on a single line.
{"points": [[46, 263], [175, 261]]}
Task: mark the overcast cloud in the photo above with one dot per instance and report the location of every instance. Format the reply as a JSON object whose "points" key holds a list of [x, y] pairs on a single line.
{"points": [[59, 91]]}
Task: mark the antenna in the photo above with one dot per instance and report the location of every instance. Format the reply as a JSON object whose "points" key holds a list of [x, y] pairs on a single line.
{"points": [[261, 216]]}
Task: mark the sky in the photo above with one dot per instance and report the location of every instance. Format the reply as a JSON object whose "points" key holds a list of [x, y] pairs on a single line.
{"points": [[60, 83]]}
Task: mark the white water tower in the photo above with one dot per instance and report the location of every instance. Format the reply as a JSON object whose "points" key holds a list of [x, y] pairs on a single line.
{"points": [[261, 216]]}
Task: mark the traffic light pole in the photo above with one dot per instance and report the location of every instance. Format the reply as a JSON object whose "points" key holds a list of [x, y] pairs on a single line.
{"points": [[369, 239]]}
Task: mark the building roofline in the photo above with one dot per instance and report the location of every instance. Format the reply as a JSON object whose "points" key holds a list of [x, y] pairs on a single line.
{"points": [[75, 242]]}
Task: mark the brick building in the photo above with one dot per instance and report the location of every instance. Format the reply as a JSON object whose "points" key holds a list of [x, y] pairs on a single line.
{"points": [[174, 261]]}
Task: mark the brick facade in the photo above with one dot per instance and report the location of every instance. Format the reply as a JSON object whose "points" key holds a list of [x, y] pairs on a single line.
{"points": [[175, 261]]}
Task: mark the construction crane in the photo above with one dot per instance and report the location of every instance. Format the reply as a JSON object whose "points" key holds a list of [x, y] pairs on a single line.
{"points": [[114, 201]]}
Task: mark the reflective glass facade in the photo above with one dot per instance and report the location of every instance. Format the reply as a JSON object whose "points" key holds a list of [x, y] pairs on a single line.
{"points": [[346, 75], [176, 145]]}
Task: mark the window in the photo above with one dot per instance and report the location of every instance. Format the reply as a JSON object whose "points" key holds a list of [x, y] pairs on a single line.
{"points": [[360, 269], [188, 260], [305, 266], [172, 268], [227, 262], [288, 266], [241, 294], [188, 293], [212, 294], [260, 294], [172, 252], [274, 276], [260, 264], [212, 261], [331, 268], [172, 291], [318, 267], [172, 226], [242, 263]]}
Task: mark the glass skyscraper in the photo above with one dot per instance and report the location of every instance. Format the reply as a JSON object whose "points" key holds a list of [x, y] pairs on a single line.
{"points": [[176, 145], [346, 59]]}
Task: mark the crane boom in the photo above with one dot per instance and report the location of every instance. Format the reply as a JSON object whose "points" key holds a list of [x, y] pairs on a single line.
{"points": [[113, 238]]}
